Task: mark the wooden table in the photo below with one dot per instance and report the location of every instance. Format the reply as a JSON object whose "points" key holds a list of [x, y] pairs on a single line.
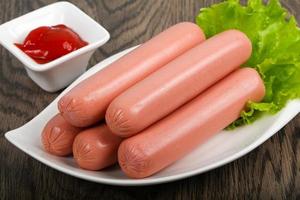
{"points": [[270, 171]]}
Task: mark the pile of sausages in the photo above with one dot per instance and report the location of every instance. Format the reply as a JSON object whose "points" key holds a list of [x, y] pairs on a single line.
{"points": [[157, 103]]}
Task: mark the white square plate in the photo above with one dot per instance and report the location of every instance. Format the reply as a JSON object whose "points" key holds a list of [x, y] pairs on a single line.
{"points": [[231, 144]]}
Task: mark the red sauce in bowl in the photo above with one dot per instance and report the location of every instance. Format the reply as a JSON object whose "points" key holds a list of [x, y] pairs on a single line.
{"points": [[47, 43]]}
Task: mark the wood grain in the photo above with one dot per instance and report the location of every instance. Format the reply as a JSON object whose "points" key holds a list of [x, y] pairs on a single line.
{"points": [[272, 171]]}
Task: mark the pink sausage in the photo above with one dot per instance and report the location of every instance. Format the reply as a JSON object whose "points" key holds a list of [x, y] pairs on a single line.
{"points": [[96, 148], [58, 136], [86, 103], [182, 131], [178, 82]]}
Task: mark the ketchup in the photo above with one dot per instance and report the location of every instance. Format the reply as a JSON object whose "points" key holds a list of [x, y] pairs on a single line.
{"points": [[47, 43]]}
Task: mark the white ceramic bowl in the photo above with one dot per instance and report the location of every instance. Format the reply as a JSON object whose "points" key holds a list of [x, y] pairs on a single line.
{"points": [[59, 73], [230, 144]]}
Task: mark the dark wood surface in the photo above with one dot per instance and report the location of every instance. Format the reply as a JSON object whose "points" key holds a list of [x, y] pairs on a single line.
{"points": [[272, 171]]}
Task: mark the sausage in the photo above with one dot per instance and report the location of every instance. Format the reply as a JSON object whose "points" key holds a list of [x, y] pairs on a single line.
{"points": [[87, 102], [58, 136], [179, 133], [96, 148], [178, 82]]}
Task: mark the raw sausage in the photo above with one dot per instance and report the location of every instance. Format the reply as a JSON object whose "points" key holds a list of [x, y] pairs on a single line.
{"points": [[96, 148], [179, 133], [87, 102], [58, 136], [177, 82]]}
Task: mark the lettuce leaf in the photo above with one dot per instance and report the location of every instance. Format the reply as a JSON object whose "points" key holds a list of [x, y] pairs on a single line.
{"points": [[276, 49]]}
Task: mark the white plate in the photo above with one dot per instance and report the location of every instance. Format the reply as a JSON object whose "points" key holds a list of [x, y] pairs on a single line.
{"points": [[231, 144]]}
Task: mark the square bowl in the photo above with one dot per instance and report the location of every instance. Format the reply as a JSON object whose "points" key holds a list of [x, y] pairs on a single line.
{"points": [[62, 71]]}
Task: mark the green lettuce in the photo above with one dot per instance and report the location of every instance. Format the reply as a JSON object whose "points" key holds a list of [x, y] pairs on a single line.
{"points": [[276, 49]]}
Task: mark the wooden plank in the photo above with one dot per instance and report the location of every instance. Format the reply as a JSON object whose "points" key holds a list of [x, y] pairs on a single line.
{"points": [[270, 171]]}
